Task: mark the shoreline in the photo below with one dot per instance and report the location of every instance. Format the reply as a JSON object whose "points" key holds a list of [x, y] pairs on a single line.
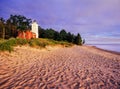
{"points": [[105, 50], [113, 52]]}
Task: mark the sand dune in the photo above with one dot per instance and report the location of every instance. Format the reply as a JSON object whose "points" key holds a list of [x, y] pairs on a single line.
{"points": [[59, 68]]}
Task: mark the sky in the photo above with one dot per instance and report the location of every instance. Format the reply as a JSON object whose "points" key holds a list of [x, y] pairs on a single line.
{"points": [[98, 21]]}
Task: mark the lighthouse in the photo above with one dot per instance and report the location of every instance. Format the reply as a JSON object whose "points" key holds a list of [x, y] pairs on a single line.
{"points": [[35, 28]]}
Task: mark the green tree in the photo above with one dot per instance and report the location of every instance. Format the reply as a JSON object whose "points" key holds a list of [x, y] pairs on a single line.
{"points": [[41, 32], [57, 36], [70, 37], [16, 23], [49, 33], [78, 39], [63, 35], [11, 29], [2, 28], [21, 22]]}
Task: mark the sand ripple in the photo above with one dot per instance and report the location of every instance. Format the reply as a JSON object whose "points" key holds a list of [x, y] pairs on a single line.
{"points": [[60, 68]]}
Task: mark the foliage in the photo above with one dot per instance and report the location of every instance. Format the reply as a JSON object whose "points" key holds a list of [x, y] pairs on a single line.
{"points": [[21, 41], [78, 39], [60, 36], [15, 23], [57, 36], [10, 27], [2, 28], [70, 37], [63, 35], [7, 45], [37, 43], [21, 22]]}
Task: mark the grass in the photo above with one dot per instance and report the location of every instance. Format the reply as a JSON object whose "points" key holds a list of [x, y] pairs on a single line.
{"points": [[8, 45]]}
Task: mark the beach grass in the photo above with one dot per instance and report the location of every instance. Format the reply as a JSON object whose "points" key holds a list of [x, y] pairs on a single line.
{"points": [[8, 45]]}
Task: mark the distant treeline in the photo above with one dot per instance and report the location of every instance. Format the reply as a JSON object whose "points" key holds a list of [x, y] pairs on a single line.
{"points": [[9, 29], [60, 36]]}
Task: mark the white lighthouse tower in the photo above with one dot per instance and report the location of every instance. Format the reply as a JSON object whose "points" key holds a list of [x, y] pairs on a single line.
{"points": [[35, 28]]}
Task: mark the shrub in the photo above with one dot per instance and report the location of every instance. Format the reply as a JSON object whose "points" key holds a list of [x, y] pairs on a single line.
{"points": [[31, 43], [5, 46], [12, 42], [21, 41], [37, 43]]}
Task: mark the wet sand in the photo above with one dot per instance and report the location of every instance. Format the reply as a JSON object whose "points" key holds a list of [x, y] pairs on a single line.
{"points": [[76, 67]]}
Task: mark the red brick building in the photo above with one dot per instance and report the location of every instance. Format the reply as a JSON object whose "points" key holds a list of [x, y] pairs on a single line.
{"points": [[26, 34]]}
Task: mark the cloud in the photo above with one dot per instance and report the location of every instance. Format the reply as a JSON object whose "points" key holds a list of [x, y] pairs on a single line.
{"points": [[93, 17]]}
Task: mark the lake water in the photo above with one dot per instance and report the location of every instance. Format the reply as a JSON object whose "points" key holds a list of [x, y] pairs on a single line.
{"points": [[111, 47]]}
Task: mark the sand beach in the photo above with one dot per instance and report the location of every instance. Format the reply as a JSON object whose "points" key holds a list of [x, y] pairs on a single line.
{"points": [[77, 67]]}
